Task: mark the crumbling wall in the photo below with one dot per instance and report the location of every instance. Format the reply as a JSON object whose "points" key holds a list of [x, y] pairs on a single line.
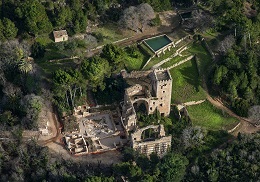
{"points": [[137, 136], [135, 74], [161, 91], [160, 146]]}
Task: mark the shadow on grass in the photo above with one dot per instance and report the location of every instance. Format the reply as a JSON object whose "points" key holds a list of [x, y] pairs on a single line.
{"points": [[191, 75]]}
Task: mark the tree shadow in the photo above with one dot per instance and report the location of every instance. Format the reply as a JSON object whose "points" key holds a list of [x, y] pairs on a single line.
{"points": [[191, 75], [165, 29]]}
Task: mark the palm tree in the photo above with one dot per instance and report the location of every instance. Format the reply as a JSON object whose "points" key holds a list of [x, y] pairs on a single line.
{"points": [[24, 66]]}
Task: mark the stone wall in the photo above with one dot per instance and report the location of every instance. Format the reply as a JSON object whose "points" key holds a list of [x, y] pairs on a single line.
{"points": [[135, 74], [205, 44], [182, 39], [160, 145], [181, 62]]}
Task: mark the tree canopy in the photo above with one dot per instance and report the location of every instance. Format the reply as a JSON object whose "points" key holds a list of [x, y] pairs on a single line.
{"points": [[32, 15]]}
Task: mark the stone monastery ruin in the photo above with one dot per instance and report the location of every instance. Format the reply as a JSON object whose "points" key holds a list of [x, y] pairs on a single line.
{"points": [[109, 130]]}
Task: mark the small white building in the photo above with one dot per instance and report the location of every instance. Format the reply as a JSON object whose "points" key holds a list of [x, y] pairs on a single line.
{"points": [[60, 36]]}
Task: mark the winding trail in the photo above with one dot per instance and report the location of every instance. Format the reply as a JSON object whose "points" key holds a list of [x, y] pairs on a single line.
{"points": [[51, 115], [56, 131], [245, 127]]}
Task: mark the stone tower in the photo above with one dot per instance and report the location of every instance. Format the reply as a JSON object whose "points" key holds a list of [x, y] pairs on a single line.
{"points": [[162, 87]]}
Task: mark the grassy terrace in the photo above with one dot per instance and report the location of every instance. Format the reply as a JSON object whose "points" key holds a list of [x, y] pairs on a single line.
{"points": [[50, 67], [111, 33], [132, 63], [186, 85], [44, 39], [206, 115], [173, 61], [145, 49], [156, 59], [203, 58], [167, 54], [177, 34], [136, 62]]}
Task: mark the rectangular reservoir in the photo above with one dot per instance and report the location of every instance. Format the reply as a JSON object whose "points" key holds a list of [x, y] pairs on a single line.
{"points": [[157, 43]]}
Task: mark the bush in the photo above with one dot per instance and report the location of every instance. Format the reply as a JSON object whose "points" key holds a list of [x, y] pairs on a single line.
{"points": [[99, 36], [38, 50], [156, 21], [73, 44]]}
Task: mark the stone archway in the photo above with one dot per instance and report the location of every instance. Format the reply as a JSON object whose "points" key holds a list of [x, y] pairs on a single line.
{"points": [[141, 105]]}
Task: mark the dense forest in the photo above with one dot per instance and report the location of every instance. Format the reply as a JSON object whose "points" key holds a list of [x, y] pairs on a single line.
{"points": [[237, 161], [20, 90], [237, 71], [34, 17]]}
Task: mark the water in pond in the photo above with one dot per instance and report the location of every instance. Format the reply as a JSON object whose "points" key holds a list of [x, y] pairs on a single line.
{"points": [[158, 42]]}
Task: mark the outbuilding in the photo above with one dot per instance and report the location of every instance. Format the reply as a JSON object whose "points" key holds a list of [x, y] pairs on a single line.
{"points": [[60, 36]]}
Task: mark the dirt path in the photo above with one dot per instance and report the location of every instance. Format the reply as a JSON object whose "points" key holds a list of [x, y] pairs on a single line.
{"points": [[54, 126], [47, 114], [245, 127], [107, 158]]}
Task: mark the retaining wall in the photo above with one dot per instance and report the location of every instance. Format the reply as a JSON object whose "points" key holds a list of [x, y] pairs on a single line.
{"points": [[181, 62]]}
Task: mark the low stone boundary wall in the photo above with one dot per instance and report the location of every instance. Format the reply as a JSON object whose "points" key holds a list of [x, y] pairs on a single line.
{"points": [[121, 40], [72, 57], [26, 135], [205, 44], [148, 61], [191, 103], [136, 74], [181, 62], [182, 39]]}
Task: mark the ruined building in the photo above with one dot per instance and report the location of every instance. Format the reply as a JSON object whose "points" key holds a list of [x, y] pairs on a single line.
{"points": [[153, 89], [155, 93], [158, 144], [107, 130]]}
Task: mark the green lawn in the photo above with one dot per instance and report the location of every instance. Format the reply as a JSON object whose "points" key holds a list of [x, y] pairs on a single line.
{"points": [[132, 63], [186, 84], [210, 34], [111, 33], [173, 61], [136, 62], [156, 59], [206, 115], [50, 67], [203, 58], [44, 39]]}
